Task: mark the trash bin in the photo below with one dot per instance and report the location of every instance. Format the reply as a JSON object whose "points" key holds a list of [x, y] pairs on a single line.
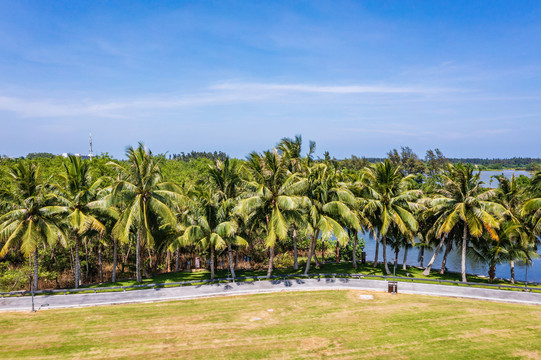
{"points": [[392, 287], [363, 257]]}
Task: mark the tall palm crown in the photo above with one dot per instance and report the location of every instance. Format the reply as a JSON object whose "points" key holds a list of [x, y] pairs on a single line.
{"points": [[213, 225], [463, 202], [76, 194], [291, 149], [226, 179], [390, 200], [272, 190], [329, 208], [533, 205], [31, 219], [145, 196]]}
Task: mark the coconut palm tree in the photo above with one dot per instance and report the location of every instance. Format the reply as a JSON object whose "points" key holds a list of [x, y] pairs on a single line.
{"points": [[533, 205], [464, 203], [397, 240], [514, 233], [390, 200], [145, 197], [31, 219], [517, 233], [357, 184], [227, 182], [272, 190], [330, 208], [76, 194], [290, 150], [212, 227]]}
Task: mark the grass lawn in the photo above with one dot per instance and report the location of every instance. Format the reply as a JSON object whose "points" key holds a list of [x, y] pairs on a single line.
{"points": [[320, 324], [327, 268]]}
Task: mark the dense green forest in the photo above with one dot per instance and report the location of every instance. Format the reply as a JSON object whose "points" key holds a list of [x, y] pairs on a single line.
{"points": [[70, 221]]}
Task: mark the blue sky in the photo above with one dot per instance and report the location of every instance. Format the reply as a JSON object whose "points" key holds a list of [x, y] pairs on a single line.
{"points": [[358, 77]]}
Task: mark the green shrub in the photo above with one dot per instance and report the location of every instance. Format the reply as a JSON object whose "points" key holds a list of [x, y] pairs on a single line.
{"points": [[12, 279], [346, 253], [284, 260]]}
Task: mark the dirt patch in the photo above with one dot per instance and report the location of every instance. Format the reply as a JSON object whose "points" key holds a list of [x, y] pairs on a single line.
{"points": [[529, 354], [314, 343]]}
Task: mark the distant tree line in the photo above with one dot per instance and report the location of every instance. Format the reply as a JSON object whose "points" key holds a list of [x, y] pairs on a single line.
{"points": [[406, 157], [216, 155], [76, 221]]}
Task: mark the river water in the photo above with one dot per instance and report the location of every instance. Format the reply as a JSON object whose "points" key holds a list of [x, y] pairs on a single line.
{"points": [[454, 257], [454, 262], [490, 181]]}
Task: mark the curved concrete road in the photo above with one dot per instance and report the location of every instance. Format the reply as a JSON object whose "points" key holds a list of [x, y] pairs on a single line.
{"points": [[256, 287]]}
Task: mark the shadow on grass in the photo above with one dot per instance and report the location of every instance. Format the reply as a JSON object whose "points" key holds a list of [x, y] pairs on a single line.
{"points": [[329, 268]]}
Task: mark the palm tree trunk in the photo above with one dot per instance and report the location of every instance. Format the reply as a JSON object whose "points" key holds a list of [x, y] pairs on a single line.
{"points": [[36, 270], [426, 272], [150, 262], [404, 267], [86, 259], [375, 263], [211, 262], [384, 247], [322, 252], [177, 256], [354, 255], [168, 260], [100, 263], [115, 250], [251, 259], [422, 256], [448, 247], [271, 252], [295, 255], [309, 260], [72, 261], [236, 258], [337, 257], [512, 263], [125, 256], [271, 259], [77, 263], [230, 258], [492, 271], [138, 257], [464, 245]]}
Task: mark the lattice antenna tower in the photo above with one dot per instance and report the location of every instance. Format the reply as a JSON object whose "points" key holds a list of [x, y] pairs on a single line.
{"points": [[90, 153]]}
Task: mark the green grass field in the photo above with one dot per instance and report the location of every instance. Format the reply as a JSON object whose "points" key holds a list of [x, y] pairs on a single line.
{"points": [[315, 325]]}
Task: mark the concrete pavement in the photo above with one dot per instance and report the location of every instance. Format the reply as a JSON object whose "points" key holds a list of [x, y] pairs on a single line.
{"points": [[257, 287]]}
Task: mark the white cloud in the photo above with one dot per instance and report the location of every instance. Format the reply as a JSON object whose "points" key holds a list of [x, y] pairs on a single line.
{"points": [[224, 93], [329, 89]]}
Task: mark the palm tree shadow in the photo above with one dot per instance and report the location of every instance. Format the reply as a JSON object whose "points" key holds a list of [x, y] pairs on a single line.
{"points": [[287, 283]]}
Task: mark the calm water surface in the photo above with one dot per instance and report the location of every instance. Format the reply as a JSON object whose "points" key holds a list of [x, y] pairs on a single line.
{"points": [[453, 262], [454, 257], [487, 176]]}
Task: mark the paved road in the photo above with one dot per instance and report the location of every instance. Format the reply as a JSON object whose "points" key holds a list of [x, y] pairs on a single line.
{"points": [[191, 292]]}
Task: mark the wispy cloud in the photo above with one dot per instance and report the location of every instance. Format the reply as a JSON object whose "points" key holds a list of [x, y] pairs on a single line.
{"points": [[330, 89], [115, 109], [223, 93]]}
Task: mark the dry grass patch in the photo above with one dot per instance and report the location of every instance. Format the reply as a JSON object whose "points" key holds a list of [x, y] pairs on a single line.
{"points": [[314, 324]]}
